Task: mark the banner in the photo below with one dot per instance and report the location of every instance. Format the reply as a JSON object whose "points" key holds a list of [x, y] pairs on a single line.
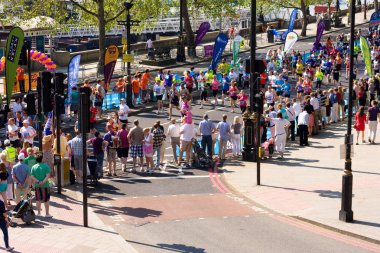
{"points": [[292, 20], [72, 77], [291, 39], [112, 53], [320, 29], [12, 55], [203, 29], [375, 19], [219, 46], [366, 55], [236, 48]]}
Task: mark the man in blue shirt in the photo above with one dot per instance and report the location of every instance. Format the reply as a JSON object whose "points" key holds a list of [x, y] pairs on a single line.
{"points": [[224, 134], [286, 89], [20, 175], [206, 128], [112, 140], [279, 83]]}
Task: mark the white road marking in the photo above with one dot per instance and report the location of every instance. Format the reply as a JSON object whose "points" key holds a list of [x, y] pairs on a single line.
{"points": [[159, 178]]}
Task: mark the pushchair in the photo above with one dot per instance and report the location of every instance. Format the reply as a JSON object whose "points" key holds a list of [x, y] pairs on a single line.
{"points": [[200, 158], [23, 210]]}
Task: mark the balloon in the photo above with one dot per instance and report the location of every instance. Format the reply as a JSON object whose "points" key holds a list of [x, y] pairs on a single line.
{"points": [[49, 63], [31, 52], [176, 77], [45, 58]]}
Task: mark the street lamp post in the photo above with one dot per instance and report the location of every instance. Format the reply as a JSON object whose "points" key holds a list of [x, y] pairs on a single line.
{"points": [[128, 23], [180, 44], [346, 214]]}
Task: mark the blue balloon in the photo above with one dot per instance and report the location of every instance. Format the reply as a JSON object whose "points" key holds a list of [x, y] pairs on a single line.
{"points": [[176, 77]]}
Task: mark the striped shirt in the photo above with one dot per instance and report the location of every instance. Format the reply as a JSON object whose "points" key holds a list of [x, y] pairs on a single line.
{"points": [[76, 146]]}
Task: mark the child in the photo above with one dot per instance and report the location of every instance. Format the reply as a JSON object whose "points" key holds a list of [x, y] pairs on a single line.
{"points": [[201, 84], [185, 106], [93, 113], [242, 101]]}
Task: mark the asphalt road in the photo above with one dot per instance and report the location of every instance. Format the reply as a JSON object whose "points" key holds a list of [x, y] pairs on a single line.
{"points": [[196, 212]]}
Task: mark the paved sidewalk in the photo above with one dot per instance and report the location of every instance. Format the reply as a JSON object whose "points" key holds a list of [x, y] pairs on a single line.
{"points": [[65, 231], [308, 182]]}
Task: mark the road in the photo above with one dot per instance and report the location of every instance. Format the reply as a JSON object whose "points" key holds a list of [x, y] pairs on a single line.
{"points": [[196, 212]]}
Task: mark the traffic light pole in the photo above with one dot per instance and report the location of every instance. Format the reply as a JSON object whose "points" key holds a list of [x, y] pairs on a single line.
{"points": [[57, 98], [39, 112], [129, 85], [83, 118]]}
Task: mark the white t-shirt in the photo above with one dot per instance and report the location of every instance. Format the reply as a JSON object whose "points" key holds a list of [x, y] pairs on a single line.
{"points": [[12, 129], [188, 132], [297, 108], [280, 125], [149, 43], [159, 89], [269, 97], [27, 132], [123, 112], [17, 108], [173, 131]]}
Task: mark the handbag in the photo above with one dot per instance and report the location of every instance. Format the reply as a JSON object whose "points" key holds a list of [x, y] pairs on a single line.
{"points": [[148, 148]]}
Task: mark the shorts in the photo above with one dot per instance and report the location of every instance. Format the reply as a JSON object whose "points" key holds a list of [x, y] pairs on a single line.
{"points": [[135, 94], [287, 95], [294, 66], [78, 162], [92, 125], [234, 98], [279, 93], [299, 74], [159, 97], [137, 151], [122, 152], [270, 104], [204, 95], [124, 121], [327, 72], [214, 93], [190, 89], [319, 82], [300, 91], [175, 101], [74, 108], [16, 143], [225, 92], [42, 194], [336, 77], [99, 104], [3, 187], [111, 154]]}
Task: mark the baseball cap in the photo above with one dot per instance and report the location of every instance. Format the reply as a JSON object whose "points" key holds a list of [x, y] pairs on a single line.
{"points": [[21, 156]]}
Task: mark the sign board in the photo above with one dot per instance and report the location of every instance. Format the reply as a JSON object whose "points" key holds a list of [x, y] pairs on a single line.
{"points": [[128, 58], [343, 151]]}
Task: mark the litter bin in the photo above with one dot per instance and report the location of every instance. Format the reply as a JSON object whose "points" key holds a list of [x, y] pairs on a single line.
{"points": [[270, 35], [92, 162]]}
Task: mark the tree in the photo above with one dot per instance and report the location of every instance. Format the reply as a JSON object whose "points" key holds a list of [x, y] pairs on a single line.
{"points": [[302, 5], [100, 13], [211, 8]]}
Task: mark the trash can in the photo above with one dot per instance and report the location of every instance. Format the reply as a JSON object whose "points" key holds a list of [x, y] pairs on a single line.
{"points": [[270, 35], [65, 170], [92, 162]]}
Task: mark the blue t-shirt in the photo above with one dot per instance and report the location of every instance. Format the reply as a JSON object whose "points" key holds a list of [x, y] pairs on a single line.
{"points": [[310, 61], [226, 83], [108, 138], [279, 83], [286, 88], [74, 96], [327, 66], [294, 59], [168, 80]]}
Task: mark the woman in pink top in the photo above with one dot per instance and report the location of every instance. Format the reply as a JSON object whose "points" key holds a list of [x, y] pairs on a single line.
{"points": [[233, 91], [243, 101], [214, 88]]}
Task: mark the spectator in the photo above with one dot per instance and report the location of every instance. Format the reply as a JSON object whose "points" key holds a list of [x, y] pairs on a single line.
{"points": [[158, 138], [187, 134], [173, 133], [224, 134], [76, 148], [123, 147], [206, 127], [136, 138], [40, 174], [236, 136], [4, 225], [111, 138], [98, 144], [20, 175]]}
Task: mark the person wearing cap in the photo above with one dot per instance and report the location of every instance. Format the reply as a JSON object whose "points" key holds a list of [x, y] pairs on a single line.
{"points": [[10, 152], [28, 132], [47, 150], [206, 128], [123, 111], [20, 175], [174, 135], [13, 132]]}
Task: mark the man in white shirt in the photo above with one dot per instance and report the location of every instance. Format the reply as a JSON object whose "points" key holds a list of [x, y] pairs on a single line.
{"points": [[291, 117], [123, 111], [173, 133], [270, 96], [232, 75], [17, 106], [280, 133], [317, 112], [13, 131], [297, 109], [303, 123], [28, 132], [187, 134]]}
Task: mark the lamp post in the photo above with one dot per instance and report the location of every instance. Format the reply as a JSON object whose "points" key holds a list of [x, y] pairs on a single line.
{"points": [[180, 44], [346, 214], [128, 23]]}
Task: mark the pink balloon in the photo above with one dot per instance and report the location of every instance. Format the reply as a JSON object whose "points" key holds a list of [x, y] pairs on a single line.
{"points": [[45, 58], [38, 55], [49, 63]]}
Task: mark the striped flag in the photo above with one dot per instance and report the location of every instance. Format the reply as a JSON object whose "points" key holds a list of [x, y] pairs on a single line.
{"points": [[47, 128]]}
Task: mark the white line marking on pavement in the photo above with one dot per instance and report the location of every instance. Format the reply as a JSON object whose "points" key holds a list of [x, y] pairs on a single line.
{"points": [[160, 178], [201, 218]]}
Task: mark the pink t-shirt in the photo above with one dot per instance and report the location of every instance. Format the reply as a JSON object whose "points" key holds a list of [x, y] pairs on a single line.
{"points": [[189, 118], [243, 100]]}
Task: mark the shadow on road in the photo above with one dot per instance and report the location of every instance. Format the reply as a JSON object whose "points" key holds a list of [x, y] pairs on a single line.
{"points": [[171, 247]]}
